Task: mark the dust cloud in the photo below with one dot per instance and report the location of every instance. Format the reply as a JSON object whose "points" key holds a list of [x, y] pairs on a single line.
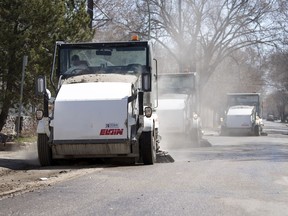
{"points": [[173, 111], [27, 152]]}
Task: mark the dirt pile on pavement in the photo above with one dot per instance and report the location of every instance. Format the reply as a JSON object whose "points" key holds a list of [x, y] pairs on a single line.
{"points": [[21, 172]]}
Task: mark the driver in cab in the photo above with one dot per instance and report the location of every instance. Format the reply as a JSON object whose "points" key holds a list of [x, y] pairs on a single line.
{"points": [[77, 65]]}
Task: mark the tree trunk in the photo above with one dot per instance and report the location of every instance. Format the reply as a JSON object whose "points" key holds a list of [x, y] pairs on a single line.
{"points": [[4, 112], [9, 93]]}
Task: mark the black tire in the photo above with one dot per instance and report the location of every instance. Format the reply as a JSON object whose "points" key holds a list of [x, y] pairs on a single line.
{"points": [[195, 137], [224, 131], [257, 131], [44, 150], [147, 149]]}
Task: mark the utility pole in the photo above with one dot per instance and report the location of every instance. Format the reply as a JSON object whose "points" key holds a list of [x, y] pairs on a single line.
{"points": [[149, 20], [180, 17], [180, 32]]}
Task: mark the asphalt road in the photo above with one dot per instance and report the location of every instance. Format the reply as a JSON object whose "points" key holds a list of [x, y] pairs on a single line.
{"points": [[239, 175]]}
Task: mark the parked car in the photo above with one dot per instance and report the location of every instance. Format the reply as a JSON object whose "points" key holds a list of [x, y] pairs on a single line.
{"points": [[270, 117]]}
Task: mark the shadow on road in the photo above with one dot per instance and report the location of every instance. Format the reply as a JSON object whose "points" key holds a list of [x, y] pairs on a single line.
{"points": [[243, 152], [26, 164], [17, 164]]}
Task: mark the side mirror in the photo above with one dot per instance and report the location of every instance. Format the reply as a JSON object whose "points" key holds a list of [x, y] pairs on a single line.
{"points": [[146, 82], [40, 85]]}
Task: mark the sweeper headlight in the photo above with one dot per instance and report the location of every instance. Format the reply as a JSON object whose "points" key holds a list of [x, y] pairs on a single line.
{"points": [[148, 112], [39, 114]]}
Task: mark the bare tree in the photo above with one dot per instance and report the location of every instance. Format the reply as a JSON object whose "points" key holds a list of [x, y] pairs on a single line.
{"points": [[210, 30], [124, 18], [277, 67], [199, 34], [281, 98], [277, 78]]}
